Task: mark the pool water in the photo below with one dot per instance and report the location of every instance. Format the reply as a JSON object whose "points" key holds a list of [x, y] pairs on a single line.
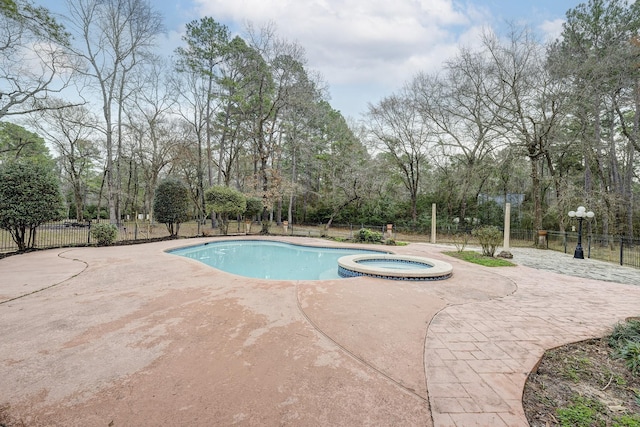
{"points": [[262, 259], [393, 264]]}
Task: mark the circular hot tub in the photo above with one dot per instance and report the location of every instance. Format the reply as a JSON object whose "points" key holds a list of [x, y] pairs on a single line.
{"points": [[393, 267]]}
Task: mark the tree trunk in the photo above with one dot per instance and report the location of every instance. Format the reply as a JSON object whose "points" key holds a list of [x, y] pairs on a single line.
{"points": [[77, 196], [208, 131], [535, 190], [279, 211], [294, 161]]}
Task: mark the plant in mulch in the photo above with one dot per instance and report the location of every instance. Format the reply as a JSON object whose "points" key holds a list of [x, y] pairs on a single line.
{"points": [[489, 237], [460, 240], [625, 341]]}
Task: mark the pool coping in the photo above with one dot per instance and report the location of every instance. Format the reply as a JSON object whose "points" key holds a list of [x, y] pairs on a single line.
{"points": [[349, 266]]}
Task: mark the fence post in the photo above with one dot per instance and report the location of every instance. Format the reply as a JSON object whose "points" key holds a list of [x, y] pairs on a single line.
{"points": [[566, 236], [621, 250], [89, 233]]}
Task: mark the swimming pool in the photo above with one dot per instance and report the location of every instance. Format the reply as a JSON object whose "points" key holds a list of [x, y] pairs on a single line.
{"points": [[266, 259]]}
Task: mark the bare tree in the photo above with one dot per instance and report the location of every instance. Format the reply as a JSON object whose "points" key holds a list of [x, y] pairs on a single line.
{"points": [[72, 131], [116, 34], [530, 102], [34, 60], [466, 121], [152, 125], [397, 127], [191, 105]]}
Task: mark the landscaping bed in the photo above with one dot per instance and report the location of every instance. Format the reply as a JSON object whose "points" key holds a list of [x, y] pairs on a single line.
{"points": [[589, 383]]}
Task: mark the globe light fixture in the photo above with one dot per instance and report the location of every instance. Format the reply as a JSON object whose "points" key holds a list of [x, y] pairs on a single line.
{"points": [[580, 214]]}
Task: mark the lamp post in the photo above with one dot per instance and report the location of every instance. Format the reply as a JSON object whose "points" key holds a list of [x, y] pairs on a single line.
{"points": [[580, 215]]}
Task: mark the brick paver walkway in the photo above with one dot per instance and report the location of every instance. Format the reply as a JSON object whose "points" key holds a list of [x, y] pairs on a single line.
{"points": [[478, 355]]}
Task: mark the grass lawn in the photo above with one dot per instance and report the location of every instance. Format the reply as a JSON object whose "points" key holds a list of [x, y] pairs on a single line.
{"points": [[478, 258]]}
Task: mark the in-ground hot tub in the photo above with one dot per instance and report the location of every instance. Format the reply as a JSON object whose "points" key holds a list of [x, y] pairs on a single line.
{"points": [[394, 267]]}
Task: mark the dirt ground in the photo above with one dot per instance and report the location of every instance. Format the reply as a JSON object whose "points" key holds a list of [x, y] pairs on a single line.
{"points": [[582, 382]]}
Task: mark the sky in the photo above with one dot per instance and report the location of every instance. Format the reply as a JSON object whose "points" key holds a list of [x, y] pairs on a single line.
{"points": [[365, 50]]}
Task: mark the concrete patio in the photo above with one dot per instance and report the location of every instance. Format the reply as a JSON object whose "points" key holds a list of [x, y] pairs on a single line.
{"points": [[131, 335]]}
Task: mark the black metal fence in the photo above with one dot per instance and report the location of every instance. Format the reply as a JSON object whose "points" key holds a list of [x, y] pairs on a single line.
{"points": [[621, 250], [618, 249], [62, 234], [52, 235]]}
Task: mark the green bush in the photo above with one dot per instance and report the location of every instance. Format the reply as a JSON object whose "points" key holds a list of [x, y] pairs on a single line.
{"points": [[104, 233], [489, 237], [364, 235], [225, 201], [254, 207], [29, 196], [171, 204]]}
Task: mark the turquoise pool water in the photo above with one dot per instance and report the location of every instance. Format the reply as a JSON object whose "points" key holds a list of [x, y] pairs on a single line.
{"points": [[262, 259], [394, 264]]}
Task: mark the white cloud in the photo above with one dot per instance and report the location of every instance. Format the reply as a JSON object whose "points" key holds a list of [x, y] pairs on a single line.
{"points": [[380, 42], [366, 49], [552, 29]]}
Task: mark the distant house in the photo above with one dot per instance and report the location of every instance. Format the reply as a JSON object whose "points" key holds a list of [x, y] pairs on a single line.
{"points": [[516, 199]]}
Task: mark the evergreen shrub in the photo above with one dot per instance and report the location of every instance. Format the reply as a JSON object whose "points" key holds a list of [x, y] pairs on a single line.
{"points": [[104, 233]]}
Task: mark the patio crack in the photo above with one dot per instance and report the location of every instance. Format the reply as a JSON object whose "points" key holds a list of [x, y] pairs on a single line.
{"points": [[86, 265], [355, 356]]}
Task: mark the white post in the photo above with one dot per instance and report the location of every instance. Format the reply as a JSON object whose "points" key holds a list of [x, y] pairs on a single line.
{"points": [[433, 223], [507, 227], [507, 233]]}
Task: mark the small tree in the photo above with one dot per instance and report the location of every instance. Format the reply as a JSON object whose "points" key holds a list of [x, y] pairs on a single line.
{"points": [[225, 201], [171, 204], [489, 237], [29, 196], [254, 207]]}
